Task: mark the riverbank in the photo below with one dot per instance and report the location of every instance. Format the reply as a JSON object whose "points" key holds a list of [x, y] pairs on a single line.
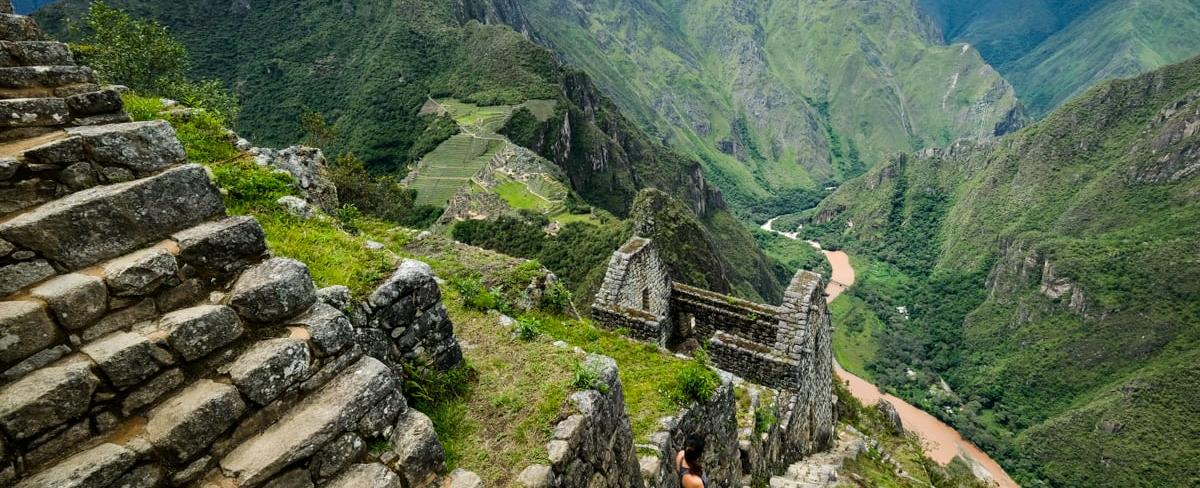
{"points": [[942, 442]]}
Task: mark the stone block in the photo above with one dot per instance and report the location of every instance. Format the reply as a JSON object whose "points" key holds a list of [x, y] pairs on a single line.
{"points": [[140, 273], [61, 152], [144, 476], [121, 319], [337, 296], [77, 300], [197, 331], [25, 328], [336, 455], [536, 476], [419, 454], [29, 77], [93, 103], [316, 420], [296, 478], [27, 193], [34, 53], [120, 218], [185, 424], [33, 112], [79, 176], [8, 169], [144, 147], [372, 475], [223, 245], [97, 467], [37, 360], [461, 478], [15, 277], [125, 358], [409, 277], [45, 398], [273, 290], [270, 367], [330, 330], [18, 27], [152, 391]]}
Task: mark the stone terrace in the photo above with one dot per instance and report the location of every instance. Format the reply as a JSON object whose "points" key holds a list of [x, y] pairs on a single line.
{"points": [[147, 339]]}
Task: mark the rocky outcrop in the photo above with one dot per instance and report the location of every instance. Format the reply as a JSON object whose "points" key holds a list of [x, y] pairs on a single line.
{"points": [[148, 340], [309, 171]]}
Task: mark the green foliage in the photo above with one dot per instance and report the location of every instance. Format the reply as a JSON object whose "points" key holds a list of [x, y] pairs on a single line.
{"points": [[764, 419], [381, 197], [527, 328], [476, 296], [696, 381], [143, 55], [426, 386], [587, 377], [557, 298], [439, 129]]}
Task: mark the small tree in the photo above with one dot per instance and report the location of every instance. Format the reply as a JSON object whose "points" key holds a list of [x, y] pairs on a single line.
{"points": [[142, 55]]}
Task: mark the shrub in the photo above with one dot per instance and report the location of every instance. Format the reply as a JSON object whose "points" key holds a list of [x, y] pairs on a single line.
{"points": [[476, 296], [557, 298], [142, 55], [587, 377], [696, 382], [380, 197], [764, 419], [249, 185], [528, 329]]}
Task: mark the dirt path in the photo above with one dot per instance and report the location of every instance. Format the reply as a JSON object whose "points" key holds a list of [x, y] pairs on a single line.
{"points": [[942, 442]]}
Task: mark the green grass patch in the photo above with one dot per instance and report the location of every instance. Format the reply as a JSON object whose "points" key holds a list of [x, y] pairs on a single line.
{"points": [[854, 334]]}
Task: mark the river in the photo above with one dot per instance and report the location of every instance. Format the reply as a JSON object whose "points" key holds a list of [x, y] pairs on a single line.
{"points": [[942, 442]]}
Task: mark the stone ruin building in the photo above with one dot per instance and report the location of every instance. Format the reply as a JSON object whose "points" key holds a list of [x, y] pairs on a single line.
{"points": [[149, 340], [786, 347]]}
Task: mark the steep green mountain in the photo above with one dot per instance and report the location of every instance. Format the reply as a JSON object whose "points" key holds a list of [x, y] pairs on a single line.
{"points": [[369, 66], [775, 95], [1052, 50], [1052, 280]]}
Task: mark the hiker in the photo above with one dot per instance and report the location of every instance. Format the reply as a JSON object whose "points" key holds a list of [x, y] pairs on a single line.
{"points": [[687, 461]]}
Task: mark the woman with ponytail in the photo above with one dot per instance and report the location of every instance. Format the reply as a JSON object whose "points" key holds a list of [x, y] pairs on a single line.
{"points": [[687, 461]]}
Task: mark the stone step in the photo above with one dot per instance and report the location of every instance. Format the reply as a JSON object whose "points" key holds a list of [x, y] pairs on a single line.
{"points": [[269, 367], [97, 467], [372, 475], [19, 28], [79, 158], [46, 398], [319, 418], [184, 425], [35, 53], [105, 222], [34, 112], [27, 77]]}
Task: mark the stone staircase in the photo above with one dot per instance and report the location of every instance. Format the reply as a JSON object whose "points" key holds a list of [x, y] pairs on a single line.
{"points": [[148, 340], [821, 469]]}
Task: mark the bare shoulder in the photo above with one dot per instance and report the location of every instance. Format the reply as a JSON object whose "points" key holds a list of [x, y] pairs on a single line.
{"points": [[692, 481]]}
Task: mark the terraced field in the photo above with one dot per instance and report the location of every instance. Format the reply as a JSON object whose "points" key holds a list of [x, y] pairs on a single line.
{"points": [[449, 167]]}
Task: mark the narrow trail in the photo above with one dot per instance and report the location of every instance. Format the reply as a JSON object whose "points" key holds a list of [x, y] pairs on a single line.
{"points": [[942, 442]]}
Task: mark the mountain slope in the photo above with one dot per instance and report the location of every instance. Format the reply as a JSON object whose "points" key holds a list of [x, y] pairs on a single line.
{"points": [[778, 95], [369, 66], [1053, 283], [1052, 50]]}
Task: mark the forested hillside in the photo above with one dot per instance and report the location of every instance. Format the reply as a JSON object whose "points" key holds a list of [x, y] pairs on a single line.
{"points": [[368, 67], [776, 96], [1052, 50], [1051, 279]]}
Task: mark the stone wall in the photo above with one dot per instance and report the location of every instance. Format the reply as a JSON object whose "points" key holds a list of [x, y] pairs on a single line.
{"points": [[148, 340], [636, 292], [785, 347], [716, 421], [592, 447]]}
